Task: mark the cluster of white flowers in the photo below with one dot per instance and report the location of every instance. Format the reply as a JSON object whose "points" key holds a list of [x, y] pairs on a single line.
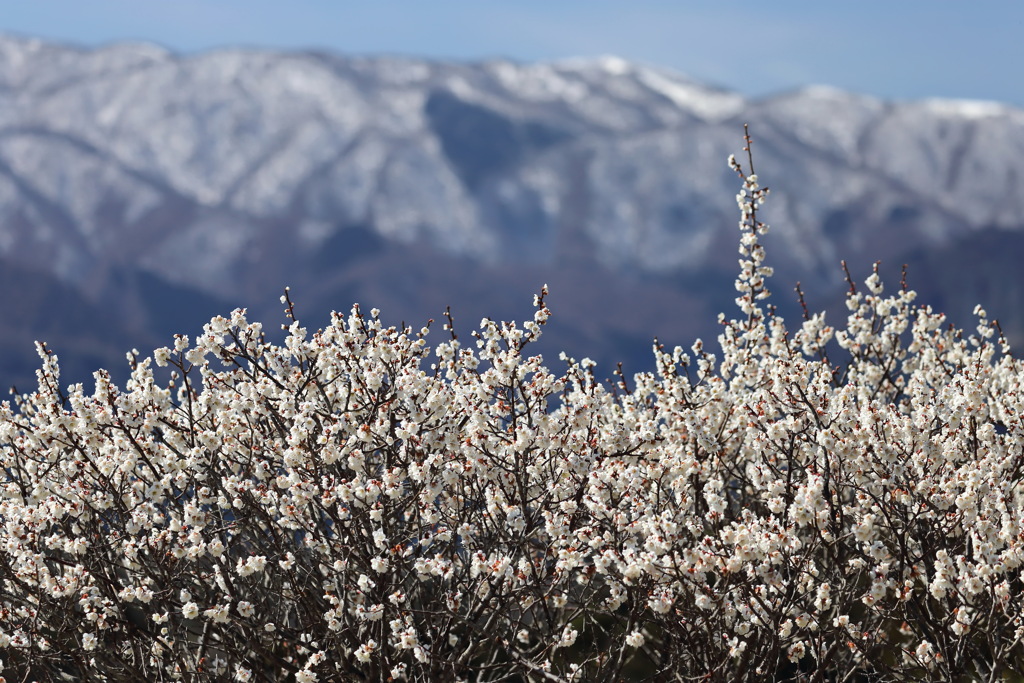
{"points": [[354, 505]]}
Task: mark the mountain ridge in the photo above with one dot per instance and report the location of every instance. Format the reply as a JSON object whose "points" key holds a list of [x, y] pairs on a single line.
{"points": [[233, 173]]}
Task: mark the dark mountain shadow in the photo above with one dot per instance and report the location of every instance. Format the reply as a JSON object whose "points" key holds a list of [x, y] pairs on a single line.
{"points": [[480, 142], [86, 336]]}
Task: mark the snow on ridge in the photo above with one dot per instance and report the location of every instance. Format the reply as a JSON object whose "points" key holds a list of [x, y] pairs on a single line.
{"points": [[610, 64], [966, 109], [615, 65], [817, 96], [709, 104], [542, 81], [705, 101], [829, 92]]}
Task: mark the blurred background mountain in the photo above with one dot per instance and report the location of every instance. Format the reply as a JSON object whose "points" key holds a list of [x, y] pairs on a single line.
{"points": [[143, 191]]}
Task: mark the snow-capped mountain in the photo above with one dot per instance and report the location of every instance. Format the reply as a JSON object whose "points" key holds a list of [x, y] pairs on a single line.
{"points": [[160, 185]]}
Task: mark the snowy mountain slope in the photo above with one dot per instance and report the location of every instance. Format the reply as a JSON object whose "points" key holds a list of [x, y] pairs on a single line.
{"points": [[228, 174]]}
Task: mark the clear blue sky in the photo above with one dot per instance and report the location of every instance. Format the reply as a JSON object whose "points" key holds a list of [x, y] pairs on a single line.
{"points": [[891, 48]]}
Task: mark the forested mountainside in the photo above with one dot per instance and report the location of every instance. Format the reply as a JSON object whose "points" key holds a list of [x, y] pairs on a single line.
{"points": [[142, 191]]}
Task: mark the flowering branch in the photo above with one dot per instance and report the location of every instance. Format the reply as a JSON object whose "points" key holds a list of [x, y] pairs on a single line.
{"points": [[355, 505]]}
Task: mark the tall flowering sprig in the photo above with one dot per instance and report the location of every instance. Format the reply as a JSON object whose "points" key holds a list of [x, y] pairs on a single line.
{"points": [[352, 504], [751, 281]]}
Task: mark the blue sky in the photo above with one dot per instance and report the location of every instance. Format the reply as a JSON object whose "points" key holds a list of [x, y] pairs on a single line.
{"points": [[891, 48]]}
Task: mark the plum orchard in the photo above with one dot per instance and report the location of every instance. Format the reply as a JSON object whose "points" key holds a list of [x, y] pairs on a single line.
{"points": [[354, 505]]}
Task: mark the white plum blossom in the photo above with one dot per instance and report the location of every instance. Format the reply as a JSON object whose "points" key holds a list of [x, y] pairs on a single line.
{"points": [[366, 650], [353, 503], [569, 636], [217, 613]]}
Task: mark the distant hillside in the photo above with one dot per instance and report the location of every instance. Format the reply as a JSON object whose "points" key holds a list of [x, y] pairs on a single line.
{"points": [[141, 191]]}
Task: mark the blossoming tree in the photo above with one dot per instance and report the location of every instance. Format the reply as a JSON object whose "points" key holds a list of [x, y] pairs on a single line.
{"points": [[354, 505]]}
